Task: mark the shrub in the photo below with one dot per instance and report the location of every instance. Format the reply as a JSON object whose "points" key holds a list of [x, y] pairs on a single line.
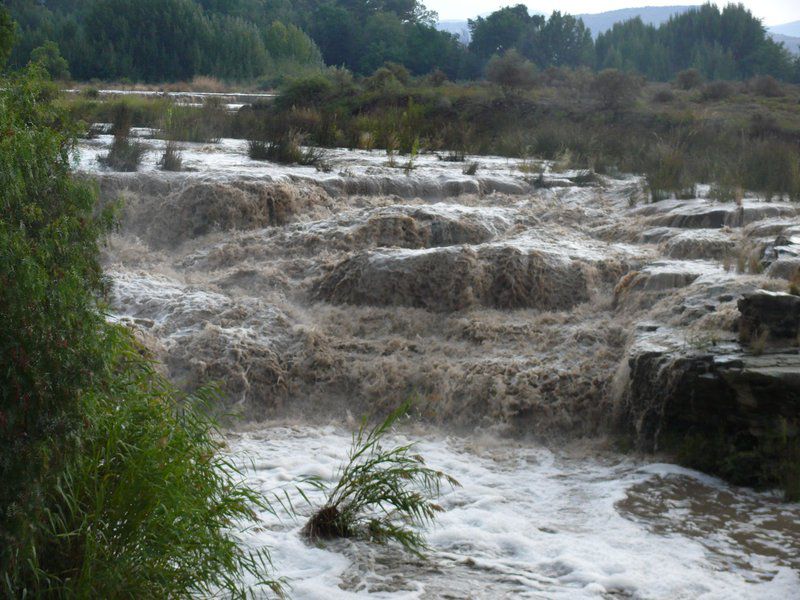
{"points": [[616, 90], [772, 167], [314, 91], [286, 148], [767, 86], [48, 56], [112, 484], [471, 168], [511, 71], [381, 495], [688, 79], [171, 159], [50, 282], [669, 174], [190, 124], [664, 96], [716, 91], [124, 155]]}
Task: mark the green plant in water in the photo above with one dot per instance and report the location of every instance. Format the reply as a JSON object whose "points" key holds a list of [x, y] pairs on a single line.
{"points": [[409, 166], [171, 160], [381, 494], [124, 154]]}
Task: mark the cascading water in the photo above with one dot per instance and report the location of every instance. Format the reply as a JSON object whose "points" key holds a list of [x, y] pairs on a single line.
{"points": [[508, 303]]}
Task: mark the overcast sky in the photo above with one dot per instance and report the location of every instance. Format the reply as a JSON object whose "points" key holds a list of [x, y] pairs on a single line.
{"points": [[772, 12]]}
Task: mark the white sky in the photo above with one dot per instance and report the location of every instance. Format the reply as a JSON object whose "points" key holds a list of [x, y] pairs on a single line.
{"points": [[772, 12]]}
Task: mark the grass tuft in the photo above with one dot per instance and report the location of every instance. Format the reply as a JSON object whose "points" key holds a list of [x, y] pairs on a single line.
{"points": [[382, 494], [172, 159]]}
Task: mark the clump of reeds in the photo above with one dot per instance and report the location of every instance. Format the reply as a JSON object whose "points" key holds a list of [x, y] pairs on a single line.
{"points": [[171, 159], [124, 155], [381, 494], [286, 148]]}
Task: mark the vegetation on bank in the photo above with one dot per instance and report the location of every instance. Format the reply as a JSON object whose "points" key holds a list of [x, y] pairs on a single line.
{"points": [[734, 135], [114, 483], [266, 42]]}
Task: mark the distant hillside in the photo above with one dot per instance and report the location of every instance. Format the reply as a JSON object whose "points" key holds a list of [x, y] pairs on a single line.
{"points": [[790, 29], [598, 23], [651, 15], [456, 27], [788, 33], [792, 43]]}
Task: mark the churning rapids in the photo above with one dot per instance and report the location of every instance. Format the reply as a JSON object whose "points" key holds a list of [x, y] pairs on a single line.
{"points": [[508, 302]]}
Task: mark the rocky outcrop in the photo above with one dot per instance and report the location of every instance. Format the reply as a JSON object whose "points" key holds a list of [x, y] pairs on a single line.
{"points": [[720, 406], [774, 315], [458, 278]]}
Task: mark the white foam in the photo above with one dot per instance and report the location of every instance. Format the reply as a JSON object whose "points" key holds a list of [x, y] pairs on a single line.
{"points": [[528, 523]]}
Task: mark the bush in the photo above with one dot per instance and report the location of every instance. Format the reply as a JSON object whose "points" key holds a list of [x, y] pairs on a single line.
{"points": [[616, 90], [146, 502], [767, 86], [311, 91], [124, 155], [688, 79], [171, 160], [48, 56], [286, 148], [190, 124], [669, 175], [112, 484], [772, 167], [381, 495], [664, 96], [716, 91], [50, 283], [511, 71]]}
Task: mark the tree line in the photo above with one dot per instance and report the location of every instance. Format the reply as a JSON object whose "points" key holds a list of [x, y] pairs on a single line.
{"points": [[247, 40]]}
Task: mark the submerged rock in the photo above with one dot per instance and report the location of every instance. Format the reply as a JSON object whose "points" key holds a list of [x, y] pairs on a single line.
{"points": [[459, 278]]}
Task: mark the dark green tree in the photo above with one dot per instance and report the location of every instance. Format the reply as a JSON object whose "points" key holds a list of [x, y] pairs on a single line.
{"points": [[49, 58], [7, 35]]}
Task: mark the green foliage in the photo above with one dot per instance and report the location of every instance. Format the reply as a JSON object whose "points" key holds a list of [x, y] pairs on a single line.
{"points": [[188, 124], [381, 494], [561, 40], [7, 35], [720, 44], [164, 40], [144, 506], [171, 160], [689, 79], [616, 90], [49, 58], [124, 155], [511, 71], [50, 340], [114, 485], [286, 148]]}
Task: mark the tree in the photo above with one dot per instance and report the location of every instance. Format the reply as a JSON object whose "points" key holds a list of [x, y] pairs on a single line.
{"points": [[49, 58], [502, 30], [7, 35], [563, 41]]}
